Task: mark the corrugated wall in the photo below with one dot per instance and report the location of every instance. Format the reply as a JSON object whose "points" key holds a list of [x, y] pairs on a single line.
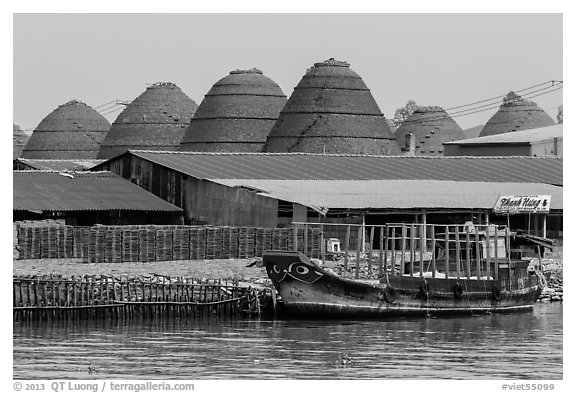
{"points": [[204, 202]]}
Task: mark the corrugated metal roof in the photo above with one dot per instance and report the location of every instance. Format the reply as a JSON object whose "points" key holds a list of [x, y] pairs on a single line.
{"points": [[53, 191], [394, 194], [525, 136], [60, 165], [303, 166]]}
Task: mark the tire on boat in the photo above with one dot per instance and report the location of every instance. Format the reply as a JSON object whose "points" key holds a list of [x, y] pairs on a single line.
{"points": [[496, 294], [424, 288], [389, 294], [458, 291]]}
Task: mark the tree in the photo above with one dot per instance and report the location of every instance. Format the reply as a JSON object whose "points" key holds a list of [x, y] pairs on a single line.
{"points": [[560, 115], [402, 114]]}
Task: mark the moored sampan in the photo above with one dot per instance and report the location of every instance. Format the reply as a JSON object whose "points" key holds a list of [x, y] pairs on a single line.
{"points": [[307, 289]]}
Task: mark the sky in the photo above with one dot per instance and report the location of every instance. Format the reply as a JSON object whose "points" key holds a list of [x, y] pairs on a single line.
{"points": [[436, 59]]}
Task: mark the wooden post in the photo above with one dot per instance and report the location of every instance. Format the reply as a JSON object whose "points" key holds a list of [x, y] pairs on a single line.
{"points": [[488, 258], [363, 232], [422, 245], [66, 295], [477, 243], [370, 251], [457, 240], [412, 250], [295, 236], [403, 246], [121, 288], [467, 252], [346, 249], [544, 219], [381, 260], [53, 292], [447, 249], [433, 252], [45, 291], [425, 234], [322, 245], [37, 301], [393, 251], [496, 243], [358, 249], [306, 239]]}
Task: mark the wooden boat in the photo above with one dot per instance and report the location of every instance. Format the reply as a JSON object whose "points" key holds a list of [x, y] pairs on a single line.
{"points": [[406, 289]]}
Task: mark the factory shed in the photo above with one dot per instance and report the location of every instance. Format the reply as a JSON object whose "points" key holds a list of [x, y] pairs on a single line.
{"points": [[236, 115], [224, 188], [155, 120], [516, 114], [440, 195], [72, 131], [544, 141], [425, 130], [19, 140], [331, 110], [87, 198], [304, 166], [26, 164]]}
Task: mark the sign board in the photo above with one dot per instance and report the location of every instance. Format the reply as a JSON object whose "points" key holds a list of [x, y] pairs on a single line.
{"points": [[512, 204]]}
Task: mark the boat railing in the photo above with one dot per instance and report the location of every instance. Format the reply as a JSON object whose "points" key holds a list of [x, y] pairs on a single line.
{"points": [[471, 251]]}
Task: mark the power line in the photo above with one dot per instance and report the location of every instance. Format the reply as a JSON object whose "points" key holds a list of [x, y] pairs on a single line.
{"points": [[483, 108], [100, 106], [552, 82], [112, 110]]}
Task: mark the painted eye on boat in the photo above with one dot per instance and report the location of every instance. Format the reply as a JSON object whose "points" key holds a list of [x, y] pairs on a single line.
{"points": [[302, 269], [276, 269]]}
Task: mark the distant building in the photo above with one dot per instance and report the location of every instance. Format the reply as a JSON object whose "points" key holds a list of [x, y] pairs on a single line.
{"points": [[87, 198], [236, 115], [545, 141], [19, 140], [155, 120], [430, 126], [516, 114], [72, 131], [331, 111]]}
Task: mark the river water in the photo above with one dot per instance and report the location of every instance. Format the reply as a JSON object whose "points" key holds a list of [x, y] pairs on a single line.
{"points": [[498, 346]]}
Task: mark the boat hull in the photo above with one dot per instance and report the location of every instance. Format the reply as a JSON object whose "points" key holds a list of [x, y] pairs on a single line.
{"points": [[308, 290]]}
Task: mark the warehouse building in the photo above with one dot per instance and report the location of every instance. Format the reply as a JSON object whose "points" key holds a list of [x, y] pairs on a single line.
{"points": [[236, 115], [270, 190], [87, 198], [544, 141]]}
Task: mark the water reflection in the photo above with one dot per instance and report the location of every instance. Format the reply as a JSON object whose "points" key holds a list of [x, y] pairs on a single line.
{"points": [[515, 346]]}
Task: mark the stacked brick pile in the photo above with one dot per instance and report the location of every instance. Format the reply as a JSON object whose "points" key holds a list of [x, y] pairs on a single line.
{"points": [[151, 243]]}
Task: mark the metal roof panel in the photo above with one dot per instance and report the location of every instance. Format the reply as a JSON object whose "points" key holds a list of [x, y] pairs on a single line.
{"points": [[79, 191], [349, 167]]}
